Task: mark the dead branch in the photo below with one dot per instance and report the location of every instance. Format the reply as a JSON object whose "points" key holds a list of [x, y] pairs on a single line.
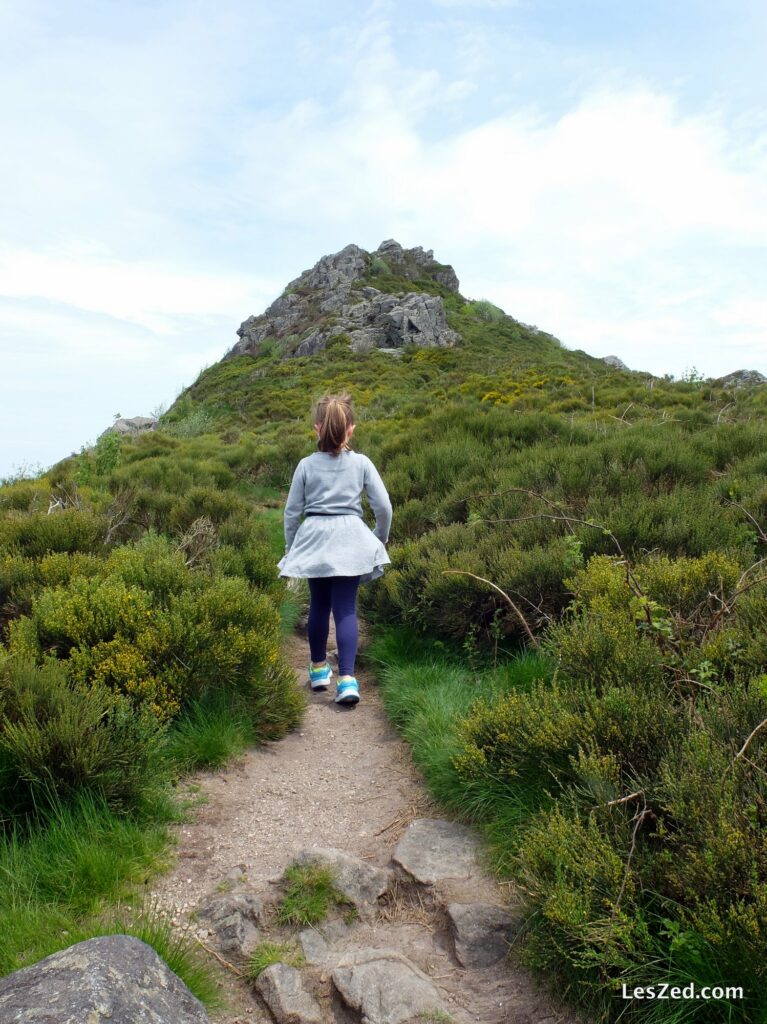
{"points": [[744, 748], [504, 595], [759, 530], [198, 540], [639, 818]]}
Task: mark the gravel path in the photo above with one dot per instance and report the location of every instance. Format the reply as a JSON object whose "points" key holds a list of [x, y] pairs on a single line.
{"points": [[344, 779]]}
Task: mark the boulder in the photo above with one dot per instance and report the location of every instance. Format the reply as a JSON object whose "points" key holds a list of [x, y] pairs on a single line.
{"points": [[282, 989], [482, 932], [114, 978], [433, 850], [384, 987]]}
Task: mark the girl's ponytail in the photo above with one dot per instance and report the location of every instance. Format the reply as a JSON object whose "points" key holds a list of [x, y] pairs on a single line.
{"points": [[335, 415]]}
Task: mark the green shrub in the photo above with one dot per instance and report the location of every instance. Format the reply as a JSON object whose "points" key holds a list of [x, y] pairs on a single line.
{"points": [[153, 564], [486, 310], [58, 741], [37, 533]]}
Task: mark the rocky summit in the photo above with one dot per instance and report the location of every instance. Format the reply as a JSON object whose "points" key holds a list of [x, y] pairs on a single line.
{"points": [[385, 299]]}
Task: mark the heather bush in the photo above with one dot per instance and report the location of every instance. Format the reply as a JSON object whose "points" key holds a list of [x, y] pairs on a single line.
{"points": [[59, 740], [37, 533]]}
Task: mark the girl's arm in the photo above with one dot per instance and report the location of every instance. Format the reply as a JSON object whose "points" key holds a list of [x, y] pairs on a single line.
{"points": [[379, 501], [294, 507]]}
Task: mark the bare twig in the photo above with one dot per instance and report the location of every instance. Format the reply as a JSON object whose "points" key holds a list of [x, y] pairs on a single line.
{"points": [[759, 530], [231, 967], [744, 748], [624, 799], [639, 818], [504, 595]]}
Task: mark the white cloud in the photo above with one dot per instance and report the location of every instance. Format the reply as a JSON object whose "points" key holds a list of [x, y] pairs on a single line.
{"points": [[152, 296], [165, 178]]}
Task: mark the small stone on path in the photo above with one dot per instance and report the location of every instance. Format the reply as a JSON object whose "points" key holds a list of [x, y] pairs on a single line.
{"points": [[384, 987], [433, 850], [282, 989], [482, 932]]}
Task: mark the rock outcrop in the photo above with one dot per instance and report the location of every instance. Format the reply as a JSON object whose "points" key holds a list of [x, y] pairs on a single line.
{"points": [[114, 978], [615, 362], [742, 379], [131, 425], [337, 297]]}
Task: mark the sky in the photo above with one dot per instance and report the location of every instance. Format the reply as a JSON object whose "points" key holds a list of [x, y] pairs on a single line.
{"points": [[594, 167]]}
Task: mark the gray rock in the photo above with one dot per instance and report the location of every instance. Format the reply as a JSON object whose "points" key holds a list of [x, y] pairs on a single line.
{"points": [[131, 426], [615, 362], [223, 905], [312, 344], [313, 946], [432, 850], [321, 303], [359, 882], [282, 989], [384, 987], [482, 932], [234, 918], [114, 978], [742, 379], [236, 934]]}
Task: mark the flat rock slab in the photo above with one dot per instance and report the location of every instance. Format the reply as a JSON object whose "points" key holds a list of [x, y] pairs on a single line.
{"points": [[384, 987], [434, 850], [361, 883], [282, 989], [114, 978], [482, 932]]}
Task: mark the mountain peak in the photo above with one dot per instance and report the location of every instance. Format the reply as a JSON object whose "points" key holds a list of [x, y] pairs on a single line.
{"points": [[383, 299]]}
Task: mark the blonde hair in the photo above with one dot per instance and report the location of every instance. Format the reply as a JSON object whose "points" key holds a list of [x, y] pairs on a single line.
{"points": [[335, 415]]}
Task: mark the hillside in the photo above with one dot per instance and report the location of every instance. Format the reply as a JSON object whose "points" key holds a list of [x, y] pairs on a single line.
{"points": [[572, 635]]}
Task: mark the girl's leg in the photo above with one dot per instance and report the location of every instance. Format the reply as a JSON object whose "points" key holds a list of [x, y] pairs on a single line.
{"points": [[318, 625], [344, 600]]}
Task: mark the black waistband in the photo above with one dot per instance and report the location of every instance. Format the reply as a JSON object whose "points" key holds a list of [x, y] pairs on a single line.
{"points": [[328, 513]]}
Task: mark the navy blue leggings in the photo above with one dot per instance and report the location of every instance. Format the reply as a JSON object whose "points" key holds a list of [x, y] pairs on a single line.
{"points": [[339, 595]]}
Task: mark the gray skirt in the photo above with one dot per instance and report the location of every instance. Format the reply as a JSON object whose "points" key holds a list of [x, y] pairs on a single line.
{"points": [[334, 546]]}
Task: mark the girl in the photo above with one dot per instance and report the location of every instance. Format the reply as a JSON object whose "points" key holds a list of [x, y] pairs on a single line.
{"points": [[333, 547]]}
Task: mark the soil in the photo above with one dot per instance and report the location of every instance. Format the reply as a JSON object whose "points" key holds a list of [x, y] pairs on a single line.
{"points": [[343, 779]]}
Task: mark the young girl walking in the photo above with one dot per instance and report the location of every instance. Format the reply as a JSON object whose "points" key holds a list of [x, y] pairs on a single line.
{"points": [[333, 547]]}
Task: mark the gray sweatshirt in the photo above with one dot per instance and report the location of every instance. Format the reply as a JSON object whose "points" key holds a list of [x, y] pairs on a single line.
{"points": [[334, 483]]}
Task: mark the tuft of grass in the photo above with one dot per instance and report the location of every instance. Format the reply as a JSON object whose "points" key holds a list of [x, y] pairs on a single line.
{"points": [[310, 894], [62, 874], [267, 953], [176, 947], [209, 734]]}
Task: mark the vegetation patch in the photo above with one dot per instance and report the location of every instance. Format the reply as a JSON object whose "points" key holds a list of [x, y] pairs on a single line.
{"points": [[267, 953], [310, 895]]}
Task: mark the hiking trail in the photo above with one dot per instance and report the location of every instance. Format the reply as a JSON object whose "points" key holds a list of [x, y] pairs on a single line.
{"points": [[342, 781]]}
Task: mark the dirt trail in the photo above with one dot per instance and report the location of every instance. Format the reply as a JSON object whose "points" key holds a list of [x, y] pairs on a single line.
{"points": [[344, 779]]}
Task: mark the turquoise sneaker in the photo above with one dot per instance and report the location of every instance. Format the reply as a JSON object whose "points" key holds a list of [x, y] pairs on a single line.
{"points": [[347, 691], [319, 678]]}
